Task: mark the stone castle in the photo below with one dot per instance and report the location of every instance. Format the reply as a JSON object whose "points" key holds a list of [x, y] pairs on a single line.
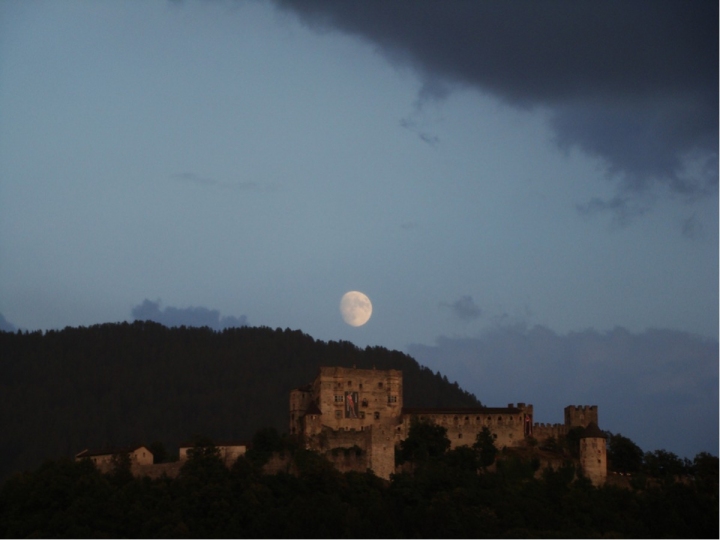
{"points": [[362, 409], [356, 418]]}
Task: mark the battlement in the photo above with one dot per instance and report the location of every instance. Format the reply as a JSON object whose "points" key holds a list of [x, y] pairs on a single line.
{"points": [[362, 409], [580, 415], [541, 425]]}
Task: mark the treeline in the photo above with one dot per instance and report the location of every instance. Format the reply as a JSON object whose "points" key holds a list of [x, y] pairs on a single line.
{"points": [[113, 385], [445, 494]]}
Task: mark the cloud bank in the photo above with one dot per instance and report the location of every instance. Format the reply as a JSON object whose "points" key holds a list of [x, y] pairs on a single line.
{"points": [[659, 387], [5, 325], [464, 308], [633, 83], [191, 316]]}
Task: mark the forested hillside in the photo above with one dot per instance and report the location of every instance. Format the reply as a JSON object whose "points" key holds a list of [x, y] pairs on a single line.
{"points": [[449, 494], [119, 384]]}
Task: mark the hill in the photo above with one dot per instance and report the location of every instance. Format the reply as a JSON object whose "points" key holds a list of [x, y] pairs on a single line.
{"points": [[117, 384]]}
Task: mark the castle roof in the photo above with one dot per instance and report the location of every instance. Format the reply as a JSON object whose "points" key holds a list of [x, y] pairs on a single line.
{"points": [[313, 409], [592, 431], [192, 444], [461, 410], [111, 451]]}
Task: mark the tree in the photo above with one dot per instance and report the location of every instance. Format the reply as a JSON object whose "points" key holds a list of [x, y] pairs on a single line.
{"points": [[664, 464], [203, 460], [264, 443], [624, 455], [159, 452], [572, 440], [485, 446], [705, 470], [425, 441]]}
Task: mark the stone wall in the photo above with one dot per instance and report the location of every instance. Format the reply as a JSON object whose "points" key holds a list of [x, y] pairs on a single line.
{"points": [[593, 459], [507, 425], [581, 415], [358, 398], [542, 432], [346, 407]]}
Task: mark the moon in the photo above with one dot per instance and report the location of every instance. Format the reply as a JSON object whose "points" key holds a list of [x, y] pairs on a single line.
{"points": [[355, 308]]}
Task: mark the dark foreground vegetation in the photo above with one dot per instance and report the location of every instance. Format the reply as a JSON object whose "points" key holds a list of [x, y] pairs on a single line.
{"points": [[458, 493], [113, 385]]}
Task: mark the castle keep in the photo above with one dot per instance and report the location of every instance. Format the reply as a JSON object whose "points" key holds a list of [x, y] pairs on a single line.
{"points": [[346, 409]]}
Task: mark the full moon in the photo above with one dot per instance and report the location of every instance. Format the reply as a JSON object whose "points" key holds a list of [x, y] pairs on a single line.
{"points": [[356, 308]]}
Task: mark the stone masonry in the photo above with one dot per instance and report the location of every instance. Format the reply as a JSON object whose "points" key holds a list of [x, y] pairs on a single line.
{"points": [[362, 409]]}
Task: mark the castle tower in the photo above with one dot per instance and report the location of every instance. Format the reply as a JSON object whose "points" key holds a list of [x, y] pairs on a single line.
{"points": [[593, 454], [580, 415]]}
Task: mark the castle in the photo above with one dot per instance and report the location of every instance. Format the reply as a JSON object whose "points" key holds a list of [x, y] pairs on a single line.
{"points": [[355, 418], [362, 409]]}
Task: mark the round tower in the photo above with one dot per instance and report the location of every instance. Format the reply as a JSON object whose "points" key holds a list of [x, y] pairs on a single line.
{"points": [[593, 454]]}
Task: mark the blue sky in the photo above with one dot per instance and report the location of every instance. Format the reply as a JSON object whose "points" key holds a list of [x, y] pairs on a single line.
{"points": [[473, 169]]}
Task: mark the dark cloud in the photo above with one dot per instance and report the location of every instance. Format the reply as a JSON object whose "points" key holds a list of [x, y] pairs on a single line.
{"points": [[692, 227], [464, 308], [634, 83], [5, 325], [192, 178], [659, 387], [191, 316], [624, 209]]}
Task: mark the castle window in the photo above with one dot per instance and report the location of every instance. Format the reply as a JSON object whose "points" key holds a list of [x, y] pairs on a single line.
{"points": [[377, 416], [380, 385], [364, 402], [360, 385], [494, 435], [362, 415], [499, 419], [459, 435], [349, 383], [338, 398], [338, 414], [392, 399]]}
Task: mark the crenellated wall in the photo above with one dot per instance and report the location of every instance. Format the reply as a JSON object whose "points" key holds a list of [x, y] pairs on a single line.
{"points": [[542, 432], [507, 425], [346, 407], [581, 415]]}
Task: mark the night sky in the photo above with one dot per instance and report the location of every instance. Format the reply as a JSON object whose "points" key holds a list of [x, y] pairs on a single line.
{"points": [[527, 191]]}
